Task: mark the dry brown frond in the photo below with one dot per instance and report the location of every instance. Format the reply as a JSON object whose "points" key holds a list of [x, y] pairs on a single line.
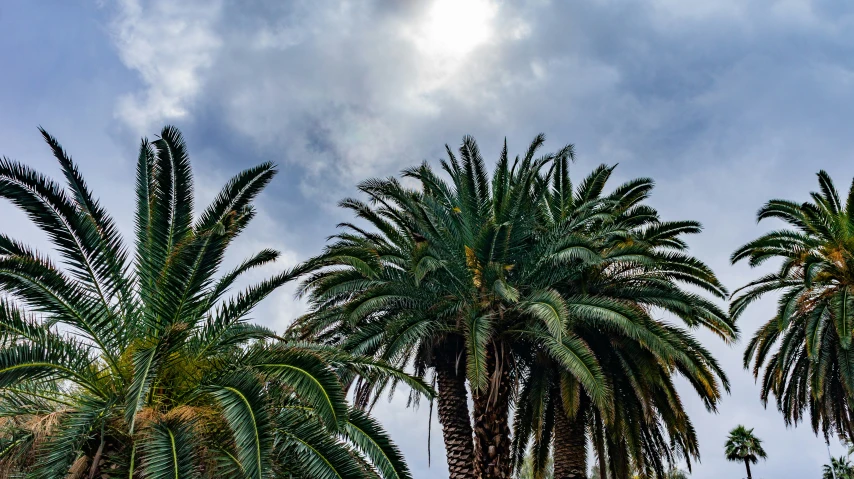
{"points": [[184, 413], [44, 425], [79, 468], [201, 417], [146, 416]]}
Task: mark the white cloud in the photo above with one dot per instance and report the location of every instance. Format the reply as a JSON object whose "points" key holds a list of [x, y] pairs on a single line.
{"points": [[453, 28], [341, 90], [170, 44]]}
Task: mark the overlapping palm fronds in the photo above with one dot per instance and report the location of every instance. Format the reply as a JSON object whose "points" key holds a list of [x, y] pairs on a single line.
{"points": [[518, 279], [637, 269], [134, 363], [803, 355]]}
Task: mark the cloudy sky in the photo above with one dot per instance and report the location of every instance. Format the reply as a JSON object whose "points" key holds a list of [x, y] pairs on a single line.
{"points": [[726, 104]]}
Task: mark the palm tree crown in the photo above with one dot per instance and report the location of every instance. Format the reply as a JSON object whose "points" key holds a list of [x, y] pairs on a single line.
{"points": [[502, 276], [453, 278], [805, 348], [136, 364], [639, 264]]}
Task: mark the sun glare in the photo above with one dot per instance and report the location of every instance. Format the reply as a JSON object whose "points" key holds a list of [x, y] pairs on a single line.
{"points": [[455, 27]]}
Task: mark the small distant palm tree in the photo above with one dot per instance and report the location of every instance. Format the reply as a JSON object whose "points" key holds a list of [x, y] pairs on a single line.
{"points": [[742, 445], [676, 473], [839, 468]]}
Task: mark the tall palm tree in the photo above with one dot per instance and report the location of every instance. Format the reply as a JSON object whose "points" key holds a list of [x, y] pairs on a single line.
{"points": [[805, 348], [133, 364], [499, 269], [743, 446], [471, 284], [640, 262], [484, 274]]}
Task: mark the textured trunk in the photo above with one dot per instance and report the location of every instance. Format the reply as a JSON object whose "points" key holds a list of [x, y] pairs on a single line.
{"points": [[747, 465], [454, 417], [491, 426], [570, 444]]}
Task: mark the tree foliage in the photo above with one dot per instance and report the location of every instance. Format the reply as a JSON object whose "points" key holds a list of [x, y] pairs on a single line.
{"points": [[802, 355], [635, 266], [839, 468], [119, 362], [743, 446], [522, 279]]}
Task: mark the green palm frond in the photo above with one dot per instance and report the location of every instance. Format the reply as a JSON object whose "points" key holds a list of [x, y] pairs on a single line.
{"points": [[53, 358], [238, 307], [477, 330], [223, 284], [310, 377], [76, 427], [146, 363], [312, 452], [241, 398], [367, 436], [168, 450], [49, 207], [549, 307], [575, 357], [802, 351], [236, 195]]}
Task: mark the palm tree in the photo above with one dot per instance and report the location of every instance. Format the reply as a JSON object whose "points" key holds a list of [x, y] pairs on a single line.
{"points": [[805, 348], [743, 446], [839, 468], [473, 274], [497, 274], [135, 364], [675, 473], [457, 276], [638, 268]]}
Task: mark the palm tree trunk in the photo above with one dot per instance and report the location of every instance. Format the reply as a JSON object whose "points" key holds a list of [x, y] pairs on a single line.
{"points": [[491, 425], [570, 444], [454, 417], [747, 464]]}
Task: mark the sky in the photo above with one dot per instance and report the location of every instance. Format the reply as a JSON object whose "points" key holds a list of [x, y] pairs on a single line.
{"points": [[726, 104]]}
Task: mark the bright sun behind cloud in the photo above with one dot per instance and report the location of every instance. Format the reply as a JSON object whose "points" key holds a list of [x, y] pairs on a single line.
{"points": [[453, 28]]}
